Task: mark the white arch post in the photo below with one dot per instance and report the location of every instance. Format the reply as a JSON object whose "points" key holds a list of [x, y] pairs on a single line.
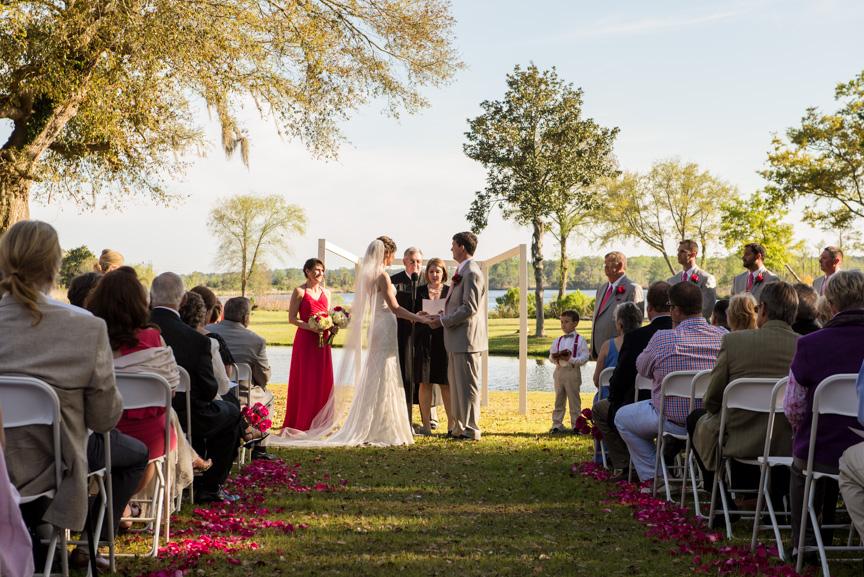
{"points": [[324, 247]]}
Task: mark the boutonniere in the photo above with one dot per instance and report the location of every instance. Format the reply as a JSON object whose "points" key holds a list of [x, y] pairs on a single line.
{"points": [[694, 278], [456, 279], [759, 278], [620, 290]]}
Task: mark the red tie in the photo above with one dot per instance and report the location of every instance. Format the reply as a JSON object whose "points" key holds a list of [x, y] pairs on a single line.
{"points": [[684, 276], [606, 298], [750, 282]]}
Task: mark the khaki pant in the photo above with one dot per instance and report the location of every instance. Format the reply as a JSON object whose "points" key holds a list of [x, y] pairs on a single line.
{"points": [[567, 381], [852, 484]]}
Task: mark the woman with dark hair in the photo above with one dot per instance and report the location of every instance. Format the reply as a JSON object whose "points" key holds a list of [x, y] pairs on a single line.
{"points": [[212, 304], [310, 381]]}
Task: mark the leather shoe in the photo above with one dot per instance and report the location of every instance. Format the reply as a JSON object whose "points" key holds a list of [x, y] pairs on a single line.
{"points": [[215, 496], [622, 475], [262, 454], [80, 559], [464, 438]]}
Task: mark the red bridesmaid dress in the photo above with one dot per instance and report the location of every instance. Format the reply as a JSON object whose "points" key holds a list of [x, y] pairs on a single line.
{"points": [[310, 381]]}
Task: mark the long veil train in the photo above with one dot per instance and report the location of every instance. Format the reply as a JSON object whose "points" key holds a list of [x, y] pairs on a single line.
{"points": [[361, 381]]}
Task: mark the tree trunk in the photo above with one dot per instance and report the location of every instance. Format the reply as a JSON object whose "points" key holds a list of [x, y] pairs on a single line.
{"points": [[14, 195], [668, 262], [562, 268], [537, 261]]}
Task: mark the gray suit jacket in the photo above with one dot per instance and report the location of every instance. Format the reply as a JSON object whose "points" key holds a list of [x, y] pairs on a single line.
{"points": [[818, 284], [69, 350], [603, 328], [754, 353], [464, 320], [739, 283], [708, 285], [250, 348]]}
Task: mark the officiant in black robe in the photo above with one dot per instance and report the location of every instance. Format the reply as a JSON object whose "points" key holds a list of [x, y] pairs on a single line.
{"points": [[406, 296]]}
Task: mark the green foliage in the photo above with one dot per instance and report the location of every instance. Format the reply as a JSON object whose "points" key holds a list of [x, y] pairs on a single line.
{"points": [[760, 219], [823, 161], [575, 301], [76, 261], [672, 202], [146, 273], [251, 228], [106, 97], [508, 305]]}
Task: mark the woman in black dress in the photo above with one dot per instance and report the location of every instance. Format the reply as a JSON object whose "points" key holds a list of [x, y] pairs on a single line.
{"points": [[430, 356]]}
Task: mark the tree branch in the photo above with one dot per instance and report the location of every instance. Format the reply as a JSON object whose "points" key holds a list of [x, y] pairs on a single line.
{"points": [[12, 112], [77, 149]]}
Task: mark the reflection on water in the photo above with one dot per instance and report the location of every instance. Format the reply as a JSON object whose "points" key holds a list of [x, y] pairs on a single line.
{"points": [[503, 371]]}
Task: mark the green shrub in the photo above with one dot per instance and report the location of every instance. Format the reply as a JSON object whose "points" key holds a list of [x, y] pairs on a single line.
{"points": [[508, 305], [577, 301]]}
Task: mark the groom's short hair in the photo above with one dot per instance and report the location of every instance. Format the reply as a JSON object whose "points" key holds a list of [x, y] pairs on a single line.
{"points": [[466, 240]]}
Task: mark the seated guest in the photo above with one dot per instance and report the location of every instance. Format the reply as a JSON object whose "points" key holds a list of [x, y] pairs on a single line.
{"points": [[249, 348], [852, 469], [805, 319], [81, 287], [215, 423], [212, 312], [627, 316], [691, 346], [68, 348], [763, 353], [109, 260], [741, 314], [833, 349], [718, 317], [824, 310], [16, 548], [192, 313], [623, 382]]}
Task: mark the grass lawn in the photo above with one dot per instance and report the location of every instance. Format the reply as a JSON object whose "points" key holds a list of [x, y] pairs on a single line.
{"points": [[509, 505], [503, 333]]}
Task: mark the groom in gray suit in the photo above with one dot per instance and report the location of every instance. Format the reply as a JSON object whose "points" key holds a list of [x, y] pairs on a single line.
{"points": [[464, 337], [687, 251]]}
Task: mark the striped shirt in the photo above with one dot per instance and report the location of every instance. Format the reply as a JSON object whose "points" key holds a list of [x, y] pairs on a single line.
{"points": [[691, 346]]}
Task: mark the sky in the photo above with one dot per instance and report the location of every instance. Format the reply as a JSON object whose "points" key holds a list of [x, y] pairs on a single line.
{"points": [[709, 82]]}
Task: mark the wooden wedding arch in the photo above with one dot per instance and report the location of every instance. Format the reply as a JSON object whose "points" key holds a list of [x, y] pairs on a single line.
{"points": [[326, 247]]}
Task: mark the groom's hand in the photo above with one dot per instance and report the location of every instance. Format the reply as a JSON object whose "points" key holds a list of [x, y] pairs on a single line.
{"points": [[436, 323]]}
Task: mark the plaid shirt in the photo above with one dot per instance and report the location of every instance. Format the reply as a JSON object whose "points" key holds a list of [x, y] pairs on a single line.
{"points": [[691, 346]]}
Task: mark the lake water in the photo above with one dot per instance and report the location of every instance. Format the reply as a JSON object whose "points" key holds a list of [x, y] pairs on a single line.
{"points": [[549, 295], [503, 371]]}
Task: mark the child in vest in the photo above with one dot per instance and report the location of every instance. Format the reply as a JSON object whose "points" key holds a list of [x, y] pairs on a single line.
{"points": [[568, 352]]}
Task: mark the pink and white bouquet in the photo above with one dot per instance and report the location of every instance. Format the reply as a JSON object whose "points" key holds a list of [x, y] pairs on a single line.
{"points": [[341, 319], [321, 322], [256, 416]]}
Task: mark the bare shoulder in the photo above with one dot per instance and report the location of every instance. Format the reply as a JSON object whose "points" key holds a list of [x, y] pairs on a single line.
{"points": [[298, 292], [383, 281]]}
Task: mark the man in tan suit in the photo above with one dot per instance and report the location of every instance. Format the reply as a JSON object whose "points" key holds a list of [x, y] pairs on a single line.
{"points": [[687, 251], [829, 263], [765, 352], [465, 337], [619, 289], [757, 276]]}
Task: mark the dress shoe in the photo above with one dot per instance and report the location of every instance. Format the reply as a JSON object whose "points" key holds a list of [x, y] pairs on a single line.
{"points": [[554, 430], [464, 438], [433, 425], [80, 559], [262, 454], [215, 496], [622, 475]]}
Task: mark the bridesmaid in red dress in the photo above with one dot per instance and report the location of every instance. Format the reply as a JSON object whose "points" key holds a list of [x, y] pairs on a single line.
{"points": [[310, 382]]}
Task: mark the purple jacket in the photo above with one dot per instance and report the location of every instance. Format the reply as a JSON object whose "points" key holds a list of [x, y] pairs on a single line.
{"points": [[836, 348]]}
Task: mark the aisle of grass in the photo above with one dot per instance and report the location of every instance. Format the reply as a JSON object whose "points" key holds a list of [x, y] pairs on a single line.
{"points": [[509, 505], [503, 333]]}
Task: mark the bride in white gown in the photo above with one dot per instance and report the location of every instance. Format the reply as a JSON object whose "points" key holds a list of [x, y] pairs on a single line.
{"points": [[376, 410]]}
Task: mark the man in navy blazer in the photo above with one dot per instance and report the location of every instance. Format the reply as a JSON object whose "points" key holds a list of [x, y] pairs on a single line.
{"points": [[215, 423], [623, 381]]}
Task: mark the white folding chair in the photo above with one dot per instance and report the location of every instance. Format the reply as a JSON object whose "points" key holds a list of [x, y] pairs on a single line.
{"points": [[641, 384], [836, 395], [29, 402], [244, 378], [766, 464], [143, 390], [697, 391], [675, 384], [184, 387], [600, 447], [753, 395]]}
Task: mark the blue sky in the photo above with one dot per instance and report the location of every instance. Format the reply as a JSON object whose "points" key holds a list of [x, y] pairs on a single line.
{"points": [[707, 81]]}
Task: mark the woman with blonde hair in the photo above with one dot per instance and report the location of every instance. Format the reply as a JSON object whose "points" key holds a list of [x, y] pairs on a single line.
{"points": [[109, 260], [741, 314]]}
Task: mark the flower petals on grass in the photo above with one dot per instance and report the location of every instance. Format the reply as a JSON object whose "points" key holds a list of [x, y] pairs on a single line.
{"points": [[667, 522]]}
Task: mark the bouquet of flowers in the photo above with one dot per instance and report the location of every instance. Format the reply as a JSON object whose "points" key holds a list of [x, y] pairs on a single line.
{"points": [[256, 416], [341, 319], [585, 425], [321, 322]]}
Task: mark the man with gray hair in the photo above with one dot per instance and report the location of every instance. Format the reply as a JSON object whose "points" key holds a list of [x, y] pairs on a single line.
{"points": [[215, 423], [251, 349]]}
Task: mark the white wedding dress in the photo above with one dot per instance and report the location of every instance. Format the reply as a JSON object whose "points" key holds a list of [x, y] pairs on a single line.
{"points": [[378, 415]]}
